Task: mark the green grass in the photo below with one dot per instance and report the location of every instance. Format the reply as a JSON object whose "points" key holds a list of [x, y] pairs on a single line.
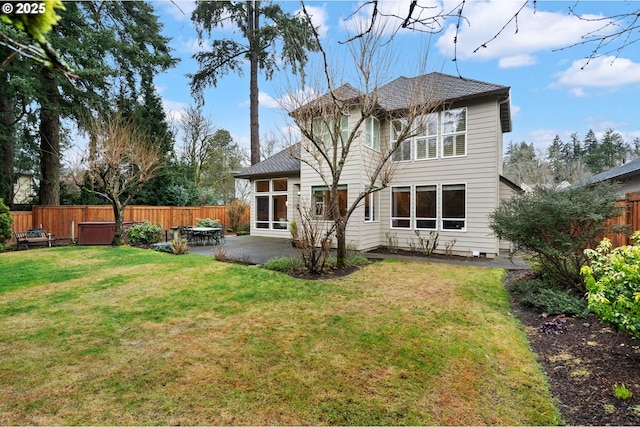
{"points": [[127, 336]]}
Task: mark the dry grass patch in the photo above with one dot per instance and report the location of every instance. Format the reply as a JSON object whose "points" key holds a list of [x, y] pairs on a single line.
{"points": [[188, 340]]}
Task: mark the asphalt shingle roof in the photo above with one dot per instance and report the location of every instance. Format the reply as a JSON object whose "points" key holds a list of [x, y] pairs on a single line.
{"points": [[627, 170], [285, 162]]}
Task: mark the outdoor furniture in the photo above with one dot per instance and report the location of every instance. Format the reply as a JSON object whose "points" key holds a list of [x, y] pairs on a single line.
{"points": [[208, 234], [35, 236]]}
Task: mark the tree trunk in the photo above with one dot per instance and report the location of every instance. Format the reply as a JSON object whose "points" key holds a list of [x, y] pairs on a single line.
{"points": [[50, 141], [341, 237], [7, 149], [118, 214], [253, 24]]}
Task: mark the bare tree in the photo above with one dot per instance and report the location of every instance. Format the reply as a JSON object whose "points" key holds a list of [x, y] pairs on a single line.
{"points": [[197, 143], [327, 142], [120, 161], [615, 32]]}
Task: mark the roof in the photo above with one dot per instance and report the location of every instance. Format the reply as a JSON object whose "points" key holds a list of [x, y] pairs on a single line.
{"points": [[286, 162], [618, 173], [442, 89]]}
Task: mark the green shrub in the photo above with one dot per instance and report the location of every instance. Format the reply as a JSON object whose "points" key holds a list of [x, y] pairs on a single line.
{"points": [[613, 284], [548, 298], [6, 220], [207, 222], [284, 264], [556, 227], [144, 234]]}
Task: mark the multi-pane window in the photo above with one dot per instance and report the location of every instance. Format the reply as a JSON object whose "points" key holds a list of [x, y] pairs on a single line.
{"points": [[371, 207], [427, 138], [403, 152], [325, 127], [401, 207], [454, 132], [372, 133], [454, 207], [271, 204], [321, 197], [426, 207], [416, 207]]}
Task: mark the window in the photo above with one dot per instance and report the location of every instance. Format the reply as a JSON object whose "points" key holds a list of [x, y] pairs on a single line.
{"points": [[371, 207], [454, 207], [372, 133], [324, 128], [403, 152], [321, 197], [426, 207], [427, 138], [344, 128], [271, 204], [401, 207], [454, 132]]}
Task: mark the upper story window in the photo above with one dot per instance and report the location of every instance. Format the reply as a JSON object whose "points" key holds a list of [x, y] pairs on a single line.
{"points": [[427, 138], [372, 133], [454, 132], [403, 152], [325, 127]]}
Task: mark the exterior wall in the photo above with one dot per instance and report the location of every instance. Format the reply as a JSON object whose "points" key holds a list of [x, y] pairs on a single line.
{"points": [[292, 196], [478, 170], [505, 193]]}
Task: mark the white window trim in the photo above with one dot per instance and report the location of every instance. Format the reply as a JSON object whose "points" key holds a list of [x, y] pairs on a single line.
{"points": [[376, 207], [466, 209], [269, 195], [411, 203], [414, 213], [369, 129], [427, 137], [465, 133], [313, 201]]}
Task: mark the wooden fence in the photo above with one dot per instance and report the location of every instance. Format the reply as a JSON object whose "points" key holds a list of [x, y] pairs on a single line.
{"points": [[63, 220], [630, 216]]}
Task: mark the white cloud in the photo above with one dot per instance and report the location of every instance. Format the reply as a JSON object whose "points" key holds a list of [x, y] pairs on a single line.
{"points": [[602, 72], [180, 10], [536, 30], [516, 61], [191, 45], [318, 18], [174, 109]]}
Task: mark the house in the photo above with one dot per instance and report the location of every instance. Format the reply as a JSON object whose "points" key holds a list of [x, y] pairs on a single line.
{"points": [[447, 180], [626, 175]]}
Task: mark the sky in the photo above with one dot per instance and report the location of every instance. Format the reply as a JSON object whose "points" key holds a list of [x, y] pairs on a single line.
{"points": [[555, 88]]}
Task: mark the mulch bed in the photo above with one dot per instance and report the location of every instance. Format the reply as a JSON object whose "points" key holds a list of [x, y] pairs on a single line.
{"points": [[583, 359]]}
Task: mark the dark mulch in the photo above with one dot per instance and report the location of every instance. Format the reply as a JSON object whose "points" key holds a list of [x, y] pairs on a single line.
{"points": [[583, 359], [385, 250]]}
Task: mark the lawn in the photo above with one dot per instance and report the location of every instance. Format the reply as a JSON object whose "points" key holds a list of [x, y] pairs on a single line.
{"points": [[98, 335]]}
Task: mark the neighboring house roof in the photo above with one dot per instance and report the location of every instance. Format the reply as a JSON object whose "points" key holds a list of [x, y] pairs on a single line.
{"points": [[286, 162], [619, 173], [511, 184]]}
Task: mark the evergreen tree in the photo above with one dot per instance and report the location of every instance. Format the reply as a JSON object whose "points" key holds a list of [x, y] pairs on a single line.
{"points": [[281, 39], [592, 153]]}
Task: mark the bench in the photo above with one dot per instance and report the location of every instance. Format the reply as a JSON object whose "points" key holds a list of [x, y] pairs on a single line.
{"points": [[34, 237]]}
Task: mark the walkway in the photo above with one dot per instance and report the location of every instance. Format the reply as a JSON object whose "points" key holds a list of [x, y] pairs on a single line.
{"points": [[259, 250]]}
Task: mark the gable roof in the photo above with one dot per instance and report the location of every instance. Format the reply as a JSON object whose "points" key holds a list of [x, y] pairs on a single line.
{"points": [[286, 162], [618, 173]]}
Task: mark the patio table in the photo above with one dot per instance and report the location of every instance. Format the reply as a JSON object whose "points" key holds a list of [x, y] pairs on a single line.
{"points": [[207, 234]]}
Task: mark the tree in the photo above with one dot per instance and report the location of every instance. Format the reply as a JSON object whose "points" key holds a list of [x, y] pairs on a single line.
{"points": [[5, 223], [555, 227], [224, 157], [121, 161], [291, 33], [327, 143], [197, 131], [616, 32], [523, 164]]}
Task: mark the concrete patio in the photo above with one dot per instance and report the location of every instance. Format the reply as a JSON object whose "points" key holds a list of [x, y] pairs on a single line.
{"points": [[259, 250]]}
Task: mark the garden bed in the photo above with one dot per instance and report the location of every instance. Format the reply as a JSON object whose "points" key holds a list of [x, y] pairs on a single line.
{"points": [[584, 359]]}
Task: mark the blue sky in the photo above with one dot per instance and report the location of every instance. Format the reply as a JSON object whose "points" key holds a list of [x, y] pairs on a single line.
{"points": [[553, 90]]}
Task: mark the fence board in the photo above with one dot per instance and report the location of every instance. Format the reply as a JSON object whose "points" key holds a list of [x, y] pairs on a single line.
{"points": [[63, 220]]}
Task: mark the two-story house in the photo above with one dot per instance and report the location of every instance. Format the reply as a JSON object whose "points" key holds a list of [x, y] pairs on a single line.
{"points": [[446, 178]]}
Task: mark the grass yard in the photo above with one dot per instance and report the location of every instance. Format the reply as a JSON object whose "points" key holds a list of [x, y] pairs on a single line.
{"points": [[100, 335]]}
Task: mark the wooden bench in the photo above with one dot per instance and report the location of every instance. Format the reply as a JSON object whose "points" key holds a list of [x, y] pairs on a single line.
{"points": [[34, 237]]}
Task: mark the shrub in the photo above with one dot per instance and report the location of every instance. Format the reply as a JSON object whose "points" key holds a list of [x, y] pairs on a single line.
{"points": [[236, 210], [6, 220], [180, 246], [207, 222], [144, 234], [549, 299], [284, 264], [613, 284], [556, 227]]}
